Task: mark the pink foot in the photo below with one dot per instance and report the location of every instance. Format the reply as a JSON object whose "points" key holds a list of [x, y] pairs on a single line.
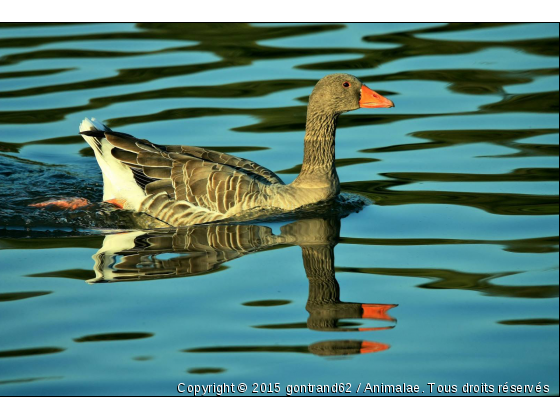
{"points": [[69, 204], [117, 202]]}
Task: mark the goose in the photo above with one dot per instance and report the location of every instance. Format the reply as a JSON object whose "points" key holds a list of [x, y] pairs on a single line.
{"points": [[187, 185]]}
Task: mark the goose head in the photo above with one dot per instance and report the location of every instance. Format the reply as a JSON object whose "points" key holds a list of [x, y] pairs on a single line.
{"points": [[341, 92]]}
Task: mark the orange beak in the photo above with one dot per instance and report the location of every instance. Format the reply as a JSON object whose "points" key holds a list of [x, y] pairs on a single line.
{"points": [[371, 99], [377, 311], [372, 347]]}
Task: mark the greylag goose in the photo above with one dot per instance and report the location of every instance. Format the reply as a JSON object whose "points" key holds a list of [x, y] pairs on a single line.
{"points": [[186, 185]]}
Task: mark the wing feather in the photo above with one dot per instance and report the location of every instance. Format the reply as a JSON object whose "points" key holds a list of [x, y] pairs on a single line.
{"points": [[187, 182]]}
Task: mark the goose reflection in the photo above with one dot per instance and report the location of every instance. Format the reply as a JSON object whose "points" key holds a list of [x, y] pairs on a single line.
{"points": [[201, 249]]}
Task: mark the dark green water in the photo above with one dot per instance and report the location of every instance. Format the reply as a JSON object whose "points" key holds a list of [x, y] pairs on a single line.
{"points": [[449, 275]]}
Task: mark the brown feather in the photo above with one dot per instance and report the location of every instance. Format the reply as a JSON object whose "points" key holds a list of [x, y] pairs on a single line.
{"points": [[157, 171], [124, 156], [179, 181], [229, 199], [147, 146], [152, 159], [200, 173], [166, 210], [160, 186], [198, 187], [157, 203], [183, 158], [123, 143]]}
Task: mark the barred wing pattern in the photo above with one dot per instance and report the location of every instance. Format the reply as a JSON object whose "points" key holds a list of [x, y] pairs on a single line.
{"points": [[199, 249], [187, 184]]}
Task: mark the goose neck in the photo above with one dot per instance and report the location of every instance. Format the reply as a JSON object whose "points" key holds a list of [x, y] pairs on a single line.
{"points": [[319, 149]]}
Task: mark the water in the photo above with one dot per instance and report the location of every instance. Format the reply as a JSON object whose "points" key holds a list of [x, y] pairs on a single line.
{"points": [[440, 265]]}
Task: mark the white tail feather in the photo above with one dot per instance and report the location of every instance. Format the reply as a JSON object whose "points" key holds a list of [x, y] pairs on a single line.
{"points": [[92, 125], [118, 181]]}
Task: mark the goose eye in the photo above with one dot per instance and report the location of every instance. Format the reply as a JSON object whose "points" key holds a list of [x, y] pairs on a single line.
{"points": [[346, 84]]}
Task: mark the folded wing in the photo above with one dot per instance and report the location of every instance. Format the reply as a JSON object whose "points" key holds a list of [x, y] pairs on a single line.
{"points": [[187, 183]]}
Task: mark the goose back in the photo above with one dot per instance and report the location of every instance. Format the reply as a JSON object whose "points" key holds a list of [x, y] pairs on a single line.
{"points": [[186, 184]]}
